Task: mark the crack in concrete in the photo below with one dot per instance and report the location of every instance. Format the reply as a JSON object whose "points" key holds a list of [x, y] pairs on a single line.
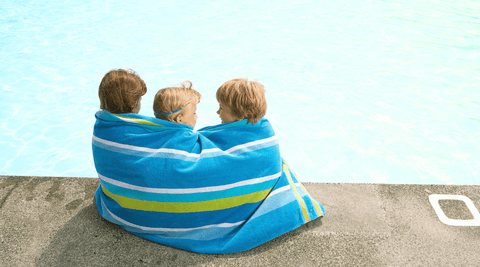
{"points": [[8, 194]]}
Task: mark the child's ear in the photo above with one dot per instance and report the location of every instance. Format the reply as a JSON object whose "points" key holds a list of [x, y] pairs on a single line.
{"points": [[178, 119]]}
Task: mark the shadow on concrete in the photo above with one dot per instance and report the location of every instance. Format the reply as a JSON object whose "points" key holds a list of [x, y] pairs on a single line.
{"points": [[89, 240]]}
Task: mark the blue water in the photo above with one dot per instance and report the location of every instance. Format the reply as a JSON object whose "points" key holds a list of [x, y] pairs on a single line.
{"points": [[357, 91]]}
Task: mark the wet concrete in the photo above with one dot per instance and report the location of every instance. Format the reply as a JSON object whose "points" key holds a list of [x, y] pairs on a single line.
{"points": [[49, 221]]}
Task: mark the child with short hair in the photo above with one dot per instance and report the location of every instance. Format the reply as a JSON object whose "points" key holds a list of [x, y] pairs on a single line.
{"points": [[177, 104], [241, 99], [121, 91]]}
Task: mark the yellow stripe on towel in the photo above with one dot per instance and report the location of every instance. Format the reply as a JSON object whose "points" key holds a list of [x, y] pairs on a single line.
{"points": [[315, 204], [184, 207], [141, 121], [300, 200]]}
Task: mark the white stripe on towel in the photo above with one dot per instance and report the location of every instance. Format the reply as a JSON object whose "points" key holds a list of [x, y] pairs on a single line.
{"points": [[189, 190], [181, 152]]}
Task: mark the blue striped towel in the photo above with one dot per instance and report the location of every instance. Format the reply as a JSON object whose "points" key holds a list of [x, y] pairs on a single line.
{"points": [[221, 189]]}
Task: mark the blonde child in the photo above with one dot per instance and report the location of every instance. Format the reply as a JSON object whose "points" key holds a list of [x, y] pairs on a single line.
{"points": [[241, 99], [177, 104]]}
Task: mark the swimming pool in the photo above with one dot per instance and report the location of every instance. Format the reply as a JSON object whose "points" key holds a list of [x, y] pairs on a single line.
{"points": [[374, 92]]}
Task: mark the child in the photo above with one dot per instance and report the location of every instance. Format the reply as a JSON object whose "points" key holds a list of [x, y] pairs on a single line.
{"points": [[177, 104], [241, 99], [121, 91]]}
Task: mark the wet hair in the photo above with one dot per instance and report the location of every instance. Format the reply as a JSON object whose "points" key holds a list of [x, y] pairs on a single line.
{"points": [[245, 98], [120, 91], [171, 99]]}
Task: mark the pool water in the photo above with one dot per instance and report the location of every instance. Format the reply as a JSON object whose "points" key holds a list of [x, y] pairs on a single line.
{"points": [[357, 91]]}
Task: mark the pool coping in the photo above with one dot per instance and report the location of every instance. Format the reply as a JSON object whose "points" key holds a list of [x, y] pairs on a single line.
{"points": [[52, 221]]}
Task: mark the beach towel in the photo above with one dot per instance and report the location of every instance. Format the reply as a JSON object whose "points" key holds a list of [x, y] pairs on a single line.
{"points": [[221, 189]]}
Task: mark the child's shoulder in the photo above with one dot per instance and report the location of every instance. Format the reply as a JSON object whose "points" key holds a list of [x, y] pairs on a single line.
{"points": [[147, 122], [236, 126]]}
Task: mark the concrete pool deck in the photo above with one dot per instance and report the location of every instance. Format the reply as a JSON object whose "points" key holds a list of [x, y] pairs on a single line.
{"points": [[53, 221]]}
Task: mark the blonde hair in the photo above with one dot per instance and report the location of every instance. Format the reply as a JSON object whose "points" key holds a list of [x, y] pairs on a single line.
{"points": [[245, 98], [120, 90], [171, 99]]}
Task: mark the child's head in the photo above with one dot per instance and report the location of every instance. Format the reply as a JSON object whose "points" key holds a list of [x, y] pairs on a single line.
{"points": [[121, 91], [241, 99], [177, 104]]}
